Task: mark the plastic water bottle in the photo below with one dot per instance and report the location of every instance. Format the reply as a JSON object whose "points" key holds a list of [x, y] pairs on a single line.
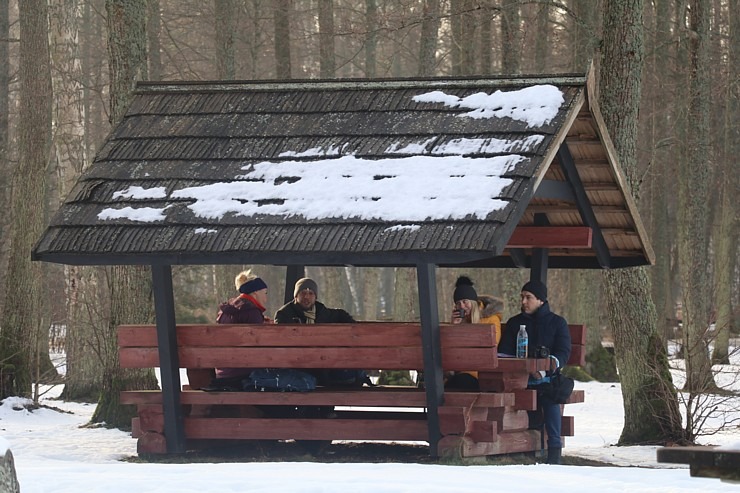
{"points": [[522, 341]]}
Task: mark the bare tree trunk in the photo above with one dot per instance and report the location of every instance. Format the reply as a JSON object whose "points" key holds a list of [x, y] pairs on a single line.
{"points": [[88, 307], [650, 400], [24, 311], [371, 293], [153, 31], [69, 159], [693, 225], [662, 177], [371, 38], [87, 304], [510, 37], [468, 62], [130, 303], [456, 7], [726, 215], [225, 13], [486, 14], [281, 13], [584, 39], [429, 35], [129, 287], [5, 168], [405, 295], [542, 44], [326, 38]]}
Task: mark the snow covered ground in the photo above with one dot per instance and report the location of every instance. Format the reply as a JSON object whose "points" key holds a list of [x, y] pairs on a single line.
{"points": [[54, 453]]}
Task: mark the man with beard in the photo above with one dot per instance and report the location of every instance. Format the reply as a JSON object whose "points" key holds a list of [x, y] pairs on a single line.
{"points": [[304, 309]]}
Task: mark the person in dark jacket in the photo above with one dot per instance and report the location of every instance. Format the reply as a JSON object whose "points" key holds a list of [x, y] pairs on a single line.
{"points": [[547, 329], [304, 309], [247, 308]]}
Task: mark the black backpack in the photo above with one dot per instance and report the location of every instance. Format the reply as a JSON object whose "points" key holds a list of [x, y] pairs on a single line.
{"points": [[344, 378]]}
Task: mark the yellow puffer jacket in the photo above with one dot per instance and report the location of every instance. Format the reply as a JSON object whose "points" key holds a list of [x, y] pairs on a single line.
{"points": [[491, 309]]}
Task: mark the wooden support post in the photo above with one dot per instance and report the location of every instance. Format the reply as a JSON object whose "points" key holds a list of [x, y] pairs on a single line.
{"points": [[432, 347], [567, 164], [539, 255], [164, 309]]}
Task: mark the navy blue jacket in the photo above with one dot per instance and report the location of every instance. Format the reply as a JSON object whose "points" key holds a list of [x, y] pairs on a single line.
{"points": [[544, 328]]}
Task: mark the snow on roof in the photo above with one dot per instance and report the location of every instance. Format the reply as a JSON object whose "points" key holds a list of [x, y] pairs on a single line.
{"points": [[426, 181]]}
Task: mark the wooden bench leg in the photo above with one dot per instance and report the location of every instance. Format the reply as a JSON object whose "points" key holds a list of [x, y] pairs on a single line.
{"points": [[151, 443], [567, 426]]}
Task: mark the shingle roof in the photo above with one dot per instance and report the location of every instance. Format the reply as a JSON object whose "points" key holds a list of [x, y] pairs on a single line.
{"points": [[328, 172]]}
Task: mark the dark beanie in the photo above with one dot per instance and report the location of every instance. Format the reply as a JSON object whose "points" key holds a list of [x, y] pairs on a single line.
{"points": [[305, 283], [464, 289], [537, 288], [251, 286]]}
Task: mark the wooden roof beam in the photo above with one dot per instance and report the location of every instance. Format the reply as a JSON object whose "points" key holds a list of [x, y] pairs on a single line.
{"points": [[554, 190], [568, 166], [550, 237]]}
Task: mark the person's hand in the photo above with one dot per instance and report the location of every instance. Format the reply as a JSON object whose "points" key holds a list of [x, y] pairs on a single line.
{"points": [[456, 318]]}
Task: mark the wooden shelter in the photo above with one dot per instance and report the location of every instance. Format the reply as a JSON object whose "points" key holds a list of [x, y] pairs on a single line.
{"points": [[485, 172]]}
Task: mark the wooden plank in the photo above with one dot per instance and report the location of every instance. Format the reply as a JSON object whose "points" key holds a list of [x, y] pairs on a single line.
{"points": [[567, 426], [365, 334], [506, 443], [509, 419], [525, 399], [151, 418], [577, 356], [479, 399], [576, 397], [376, 396], [471, 422], [705, 462], [391, 358], [577, 334], [511, 374], [305, 429], [550, 237], [452, 420], [151, 443], [483, 431]]}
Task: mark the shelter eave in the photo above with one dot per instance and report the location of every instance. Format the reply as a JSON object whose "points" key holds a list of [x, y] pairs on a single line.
{"points": [[594, 110], [376, 259]]}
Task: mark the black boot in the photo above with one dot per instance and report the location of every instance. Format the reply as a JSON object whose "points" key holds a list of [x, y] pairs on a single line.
{"points": [[553, 455]]}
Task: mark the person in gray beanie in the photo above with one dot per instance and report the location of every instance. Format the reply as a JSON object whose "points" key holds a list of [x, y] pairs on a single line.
{"points": [[547, 329], [305, 309]]}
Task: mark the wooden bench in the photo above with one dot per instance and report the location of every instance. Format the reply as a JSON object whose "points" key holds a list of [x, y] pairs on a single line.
{"points": [[492, 421], [705, 462]]}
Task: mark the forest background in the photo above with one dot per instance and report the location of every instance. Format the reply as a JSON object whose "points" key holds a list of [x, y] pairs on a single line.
{"points": [[82, 57]]}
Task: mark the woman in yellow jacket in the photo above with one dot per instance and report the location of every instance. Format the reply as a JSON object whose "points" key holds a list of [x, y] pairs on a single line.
{"points": [[473, 309]]}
